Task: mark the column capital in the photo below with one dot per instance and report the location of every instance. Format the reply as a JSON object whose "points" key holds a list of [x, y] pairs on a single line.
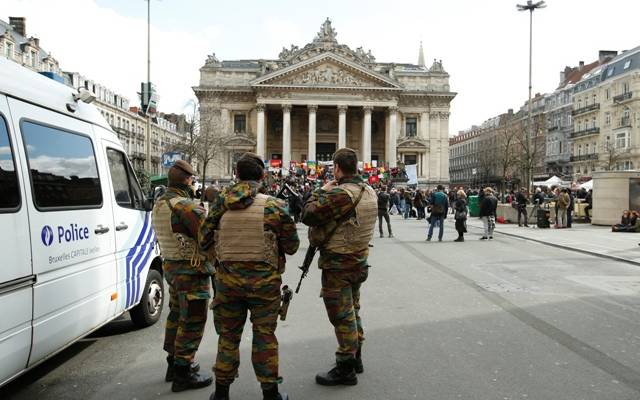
{"points": [[312, 107], [260, 107], [286, 107], [342, 108], [367, 109], [392, 109]]}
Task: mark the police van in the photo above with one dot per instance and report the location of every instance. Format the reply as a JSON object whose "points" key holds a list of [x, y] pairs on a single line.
{"points": [[77, 247]]}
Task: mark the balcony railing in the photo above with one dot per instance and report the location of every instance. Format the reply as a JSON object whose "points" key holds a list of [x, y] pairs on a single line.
{"points": [[553, 128], [622, 97], [586, 109], [590, 131], [624, 122], [585, 157]]}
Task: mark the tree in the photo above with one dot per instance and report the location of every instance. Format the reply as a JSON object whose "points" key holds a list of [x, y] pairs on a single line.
{"points": [[210, 142], [507, 156], [530, 141], [612, 155]]}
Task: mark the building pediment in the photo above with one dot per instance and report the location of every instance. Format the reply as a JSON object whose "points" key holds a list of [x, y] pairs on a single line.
{"points": [[239, 141], [327, 70], [411, 143]]}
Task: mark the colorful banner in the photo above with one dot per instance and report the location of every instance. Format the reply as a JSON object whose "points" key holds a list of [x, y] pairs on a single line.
{"points": [[276, 163]]}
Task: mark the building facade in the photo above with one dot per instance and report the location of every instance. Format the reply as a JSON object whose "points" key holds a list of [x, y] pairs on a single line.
{"points": [[323, 96], [126, 121]]}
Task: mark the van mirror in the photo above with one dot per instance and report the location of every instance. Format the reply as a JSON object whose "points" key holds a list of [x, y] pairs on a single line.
{"points": [[148, 204]]}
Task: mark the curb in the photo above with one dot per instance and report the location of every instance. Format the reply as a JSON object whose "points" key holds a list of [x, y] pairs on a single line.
{"points": [[563, 247]]}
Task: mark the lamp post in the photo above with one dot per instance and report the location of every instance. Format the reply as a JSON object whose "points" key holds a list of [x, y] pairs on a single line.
{"points": [[148, 129], [531, 7]]}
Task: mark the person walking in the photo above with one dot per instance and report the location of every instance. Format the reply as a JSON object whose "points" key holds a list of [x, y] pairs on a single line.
{"points": [[344, 210], [537, 201], [460, 212], [570, 208], [419, 203], [589, 206], [563, 203], [176, 219], [383, 211], [439, 209], [408, 203], [521, 205], [251, 233], [485, 211]]}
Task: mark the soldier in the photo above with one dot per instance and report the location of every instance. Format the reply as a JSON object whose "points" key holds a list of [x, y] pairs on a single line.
{"points": [[251, 233], [346, 210], [176, 220]]}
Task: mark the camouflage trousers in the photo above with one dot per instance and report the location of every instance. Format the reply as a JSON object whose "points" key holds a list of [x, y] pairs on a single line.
{"points": [[188, 297], [235, 297], [341, 296]]}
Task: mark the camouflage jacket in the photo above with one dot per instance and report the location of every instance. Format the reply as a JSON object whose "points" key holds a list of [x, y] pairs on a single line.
{"points": [[276, 219], [325, 206], [186, 218]]}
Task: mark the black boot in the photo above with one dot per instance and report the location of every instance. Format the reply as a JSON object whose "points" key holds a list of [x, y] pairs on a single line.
{"points": [[358, 367], [221, 393], [342, 374], [195, 367], [186, 379], [272, 393]]}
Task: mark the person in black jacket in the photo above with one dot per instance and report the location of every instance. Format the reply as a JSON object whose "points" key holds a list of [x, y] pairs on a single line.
{"points": [[383, 210], [589, 200], [460, 213], [521, 205], [488, 206]]}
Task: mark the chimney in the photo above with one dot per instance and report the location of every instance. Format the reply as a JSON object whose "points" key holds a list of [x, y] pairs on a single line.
{"points": [[36, 41], [19, 25], [606, 55], [581, 65], [563, 76]]}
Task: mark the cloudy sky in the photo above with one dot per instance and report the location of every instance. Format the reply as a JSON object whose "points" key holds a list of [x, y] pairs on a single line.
{"points": [[483, 44]]}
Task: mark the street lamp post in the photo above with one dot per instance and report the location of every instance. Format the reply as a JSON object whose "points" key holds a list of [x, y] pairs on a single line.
{"points": [[148, 133], [531, 7]]}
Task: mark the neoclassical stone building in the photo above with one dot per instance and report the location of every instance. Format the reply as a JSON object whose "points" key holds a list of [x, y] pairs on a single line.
{"points": [[323, 96]]}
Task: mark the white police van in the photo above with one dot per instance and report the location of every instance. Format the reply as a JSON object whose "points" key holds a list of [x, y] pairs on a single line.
{"points": [[77, 247]]}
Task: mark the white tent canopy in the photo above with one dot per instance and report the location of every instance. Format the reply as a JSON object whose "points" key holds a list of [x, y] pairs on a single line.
{"points": [[553, 181], [587, 185]]}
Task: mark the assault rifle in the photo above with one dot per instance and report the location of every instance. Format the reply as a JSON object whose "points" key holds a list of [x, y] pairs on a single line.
{"points": [[308, 259]]}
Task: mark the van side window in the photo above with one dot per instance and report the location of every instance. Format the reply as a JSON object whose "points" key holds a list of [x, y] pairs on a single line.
{"points": [[63, 168], [9, 191], [125, 186]]}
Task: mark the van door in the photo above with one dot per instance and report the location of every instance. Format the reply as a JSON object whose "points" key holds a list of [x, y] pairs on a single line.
{"points": [[135, 239], [16, 276], [71, 224]]}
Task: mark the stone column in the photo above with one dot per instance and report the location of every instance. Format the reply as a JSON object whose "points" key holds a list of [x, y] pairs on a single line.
{"points": [[260, 132], [444, 146], [366, 135], [434, 146], [392, 141], [311, 152], [286, 137], [342, 126]]}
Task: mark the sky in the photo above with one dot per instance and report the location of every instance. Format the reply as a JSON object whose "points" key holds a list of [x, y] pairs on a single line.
{"points": [[484, 45]]}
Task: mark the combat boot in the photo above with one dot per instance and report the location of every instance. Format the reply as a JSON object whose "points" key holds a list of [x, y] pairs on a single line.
{"points": [[186, 379], [221, 393], [342, 374], [358, 367], [272, 394], [168, 377]]}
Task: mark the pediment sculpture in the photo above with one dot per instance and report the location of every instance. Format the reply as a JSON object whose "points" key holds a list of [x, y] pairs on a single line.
{"points": [[325, 76]]}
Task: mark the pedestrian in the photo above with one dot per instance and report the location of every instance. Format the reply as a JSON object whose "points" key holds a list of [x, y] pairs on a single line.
{"points": [[589, 206], [394, 202], [521, 206], [383, 211], [251, 234], [419, 203], [488, 205], [439, 208], [538, 201], [570, 208], [176, 220], [563, 203], [345, 211], [460, 211]]}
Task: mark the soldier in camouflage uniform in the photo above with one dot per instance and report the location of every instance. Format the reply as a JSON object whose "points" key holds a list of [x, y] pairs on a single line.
{"points": [[251, 233], [176, 220], [352, 205]]}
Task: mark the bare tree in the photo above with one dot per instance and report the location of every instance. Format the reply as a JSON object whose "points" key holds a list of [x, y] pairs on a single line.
{"points": [[506, 155], [209, 144], [612, 155], [530, 141]]}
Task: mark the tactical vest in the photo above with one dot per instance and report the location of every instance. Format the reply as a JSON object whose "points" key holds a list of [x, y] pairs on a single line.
{"points": [[242, 237], [356, 233], [174, 246]]}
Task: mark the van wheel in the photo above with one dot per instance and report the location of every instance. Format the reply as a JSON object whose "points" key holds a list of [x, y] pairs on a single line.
{"points": [[149, 310]]}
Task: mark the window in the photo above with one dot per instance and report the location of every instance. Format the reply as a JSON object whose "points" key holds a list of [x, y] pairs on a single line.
{"points": [[62, 166], [410, 159], [622, 140], [610, 71], [9, 189], [411, 127], [625, 87], [607, 118], [126, 190], [8, 50], [627, 64], [34, 59], [239, 123], [607, 94]]}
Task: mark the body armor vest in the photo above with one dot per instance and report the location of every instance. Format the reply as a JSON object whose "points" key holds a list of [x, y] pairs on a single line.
{"points": [[242, 237], [356, 233], [174, 246]]}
